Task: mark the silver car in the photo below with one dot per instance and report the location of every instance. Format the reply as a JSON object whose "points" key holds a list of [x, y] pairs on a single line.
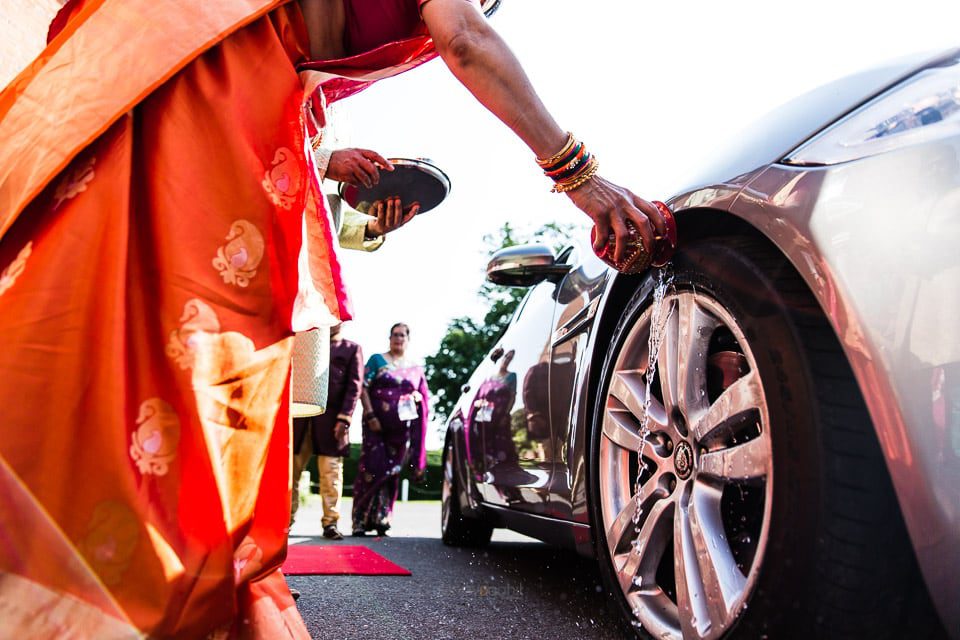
{"points": [[763, 438]]}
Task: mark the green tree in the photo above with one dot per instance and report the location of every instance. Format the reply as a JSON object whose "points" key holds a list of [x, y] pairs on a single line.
{"points": [[467, 340]]}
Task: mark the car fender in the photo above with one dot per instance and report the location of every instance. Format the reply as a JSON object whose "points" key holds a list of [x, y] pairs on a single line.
{"points": [[876, 281]]}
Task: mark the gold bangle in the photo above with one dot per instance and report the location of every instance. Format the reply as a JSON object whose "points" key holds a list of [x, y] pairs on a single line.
{"points": [[581, 179], [579, 176], [546, 162]]}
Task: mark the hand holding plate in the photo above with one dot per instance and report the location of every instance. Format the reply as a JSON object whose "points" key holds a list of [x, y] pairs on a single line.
{"points": [[389, 216], [357, 166]]}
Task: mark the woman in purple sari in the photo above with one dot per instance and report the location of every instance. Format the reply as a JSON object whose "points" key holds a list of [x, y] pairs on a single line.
{"points": [[396, 410]]}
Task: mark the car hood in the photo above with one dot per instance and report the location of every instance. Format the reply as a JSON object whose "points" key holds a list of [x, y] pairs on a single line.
{"points": [[788, 126]]}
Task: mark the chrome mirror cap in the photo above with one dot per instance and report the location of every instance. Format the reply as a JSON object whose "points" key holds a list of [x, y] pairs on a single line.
{"points": [[524, 265]]}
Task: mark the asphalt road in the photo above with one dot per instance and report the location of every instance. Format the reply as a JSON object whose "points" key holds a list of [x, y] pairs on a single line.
{"points": [[516, 587]]}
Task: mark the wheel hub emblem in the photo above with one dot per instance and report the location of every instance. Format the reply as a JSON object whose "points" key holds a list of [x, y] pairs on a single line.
{"points": [[683, 460]]}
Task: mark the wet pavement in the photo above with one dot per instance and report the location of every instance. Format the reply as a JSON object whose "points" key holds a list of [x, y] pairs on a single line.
{"points": [[516, 587]]}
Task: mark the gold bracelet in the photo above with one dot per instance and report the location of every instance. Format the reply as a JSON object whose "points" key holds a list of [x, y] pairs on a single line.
{"points": [[583, 170], [581, 179], [546, 162]]}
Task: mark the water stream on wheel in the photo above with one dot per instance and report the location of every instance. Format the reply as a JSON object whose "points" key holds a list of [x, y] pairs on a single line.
{"points": [[658, 322]]}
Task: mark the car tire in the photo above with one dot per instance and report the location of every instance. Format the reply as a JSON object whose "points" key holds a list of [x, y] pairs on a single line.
{"points": [[830, 557], [456, 529]]}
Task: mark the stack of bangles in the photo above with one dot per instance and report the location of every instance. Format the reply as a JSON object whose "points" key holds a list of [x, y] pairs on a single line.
{"points": [[571, 167]]}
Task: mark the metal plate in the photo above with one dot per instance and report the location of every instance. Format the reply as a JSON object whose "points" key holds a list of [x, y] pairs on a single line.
{"points": [[412, 180]]}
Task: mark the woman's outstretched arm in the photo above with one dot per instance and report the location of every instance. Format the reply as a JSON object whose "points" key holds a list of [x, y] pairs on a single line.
{"points": [[486, 66]]}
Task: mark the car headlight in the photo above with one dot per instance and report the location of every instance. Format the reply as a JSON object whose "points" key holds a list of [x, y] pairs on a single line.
{"points": [[920, 109]]}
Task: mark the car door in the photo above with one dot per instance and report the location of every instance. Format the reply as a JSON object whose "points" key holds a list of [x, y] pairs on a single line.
{"points": [[510, 411], [577, 301]]}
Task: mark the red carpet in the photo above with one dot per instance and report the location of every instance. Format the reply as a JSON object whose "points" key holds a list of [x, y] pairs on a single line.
{"points": [[338, 560]]}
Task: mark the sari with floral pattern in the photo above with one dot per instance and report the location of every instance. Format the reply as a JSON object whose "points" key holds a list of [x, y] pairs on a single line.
{"points": [[161, 234]]}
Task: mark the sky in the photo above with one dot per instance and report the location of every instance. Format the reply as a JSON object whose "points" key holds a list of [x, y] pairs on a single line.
{"points": [[653, 88]]}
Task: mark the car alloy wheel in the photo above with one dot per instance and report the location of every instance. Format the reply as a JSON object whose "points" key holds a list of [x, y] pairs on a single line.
{"points": [[457, 529], [686, 531], [763, 503]]}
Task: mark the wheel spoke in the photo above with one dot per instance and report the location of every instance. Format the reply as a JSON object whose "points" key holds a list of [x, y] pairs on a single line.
{"points": [[719, 574], [621, 527], [691, 600], [630, 390], [746, 394], [695, 327], [650, 544], [620, 429], [667, 360], [746, 461], [682, 359]]}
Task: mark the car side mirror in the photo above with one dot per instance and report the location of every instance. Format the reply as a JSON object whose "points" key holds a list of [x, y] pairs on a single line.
{"points": [[524, 265]]}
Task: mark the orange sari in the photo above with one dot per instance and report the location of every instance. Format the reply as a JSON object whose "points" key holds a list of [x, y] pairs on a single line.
{"points": [[153, 180]]}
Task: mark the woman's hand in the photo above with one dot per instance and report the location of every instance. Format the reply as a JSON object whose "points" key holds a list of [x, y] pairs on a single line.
{"points": [[610, 206], [419, 476], [390, 216], [357, 166], [373, 423]]}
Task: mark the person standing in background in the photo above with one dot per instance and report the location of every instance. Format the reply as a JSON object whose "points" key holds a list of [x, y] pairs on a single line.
{"points": [[395, 416], [328, 435]]}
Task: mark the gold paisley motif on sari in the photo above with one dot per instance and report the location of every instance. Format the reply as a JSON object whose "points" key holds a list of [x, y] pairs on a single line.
{"points": [[112, 537], [15, 268], [247, 560], [74, 182], [197, 318], [284, 180], [154, 443], [237, 261]]}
